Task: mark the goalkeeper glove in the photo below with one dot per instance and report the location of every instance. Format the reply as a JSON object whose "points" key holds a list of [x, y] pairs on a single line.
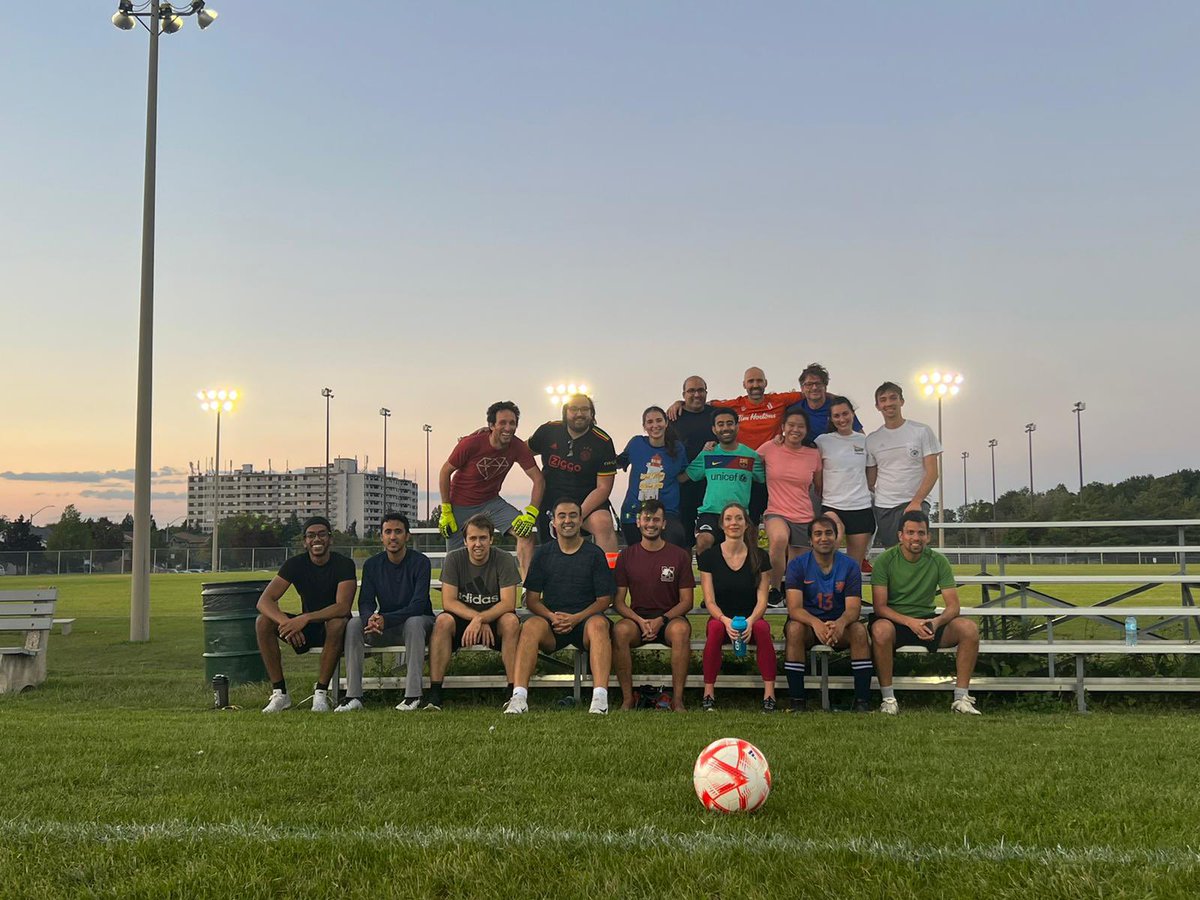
{"points": [[522, 525], [446, 524]]}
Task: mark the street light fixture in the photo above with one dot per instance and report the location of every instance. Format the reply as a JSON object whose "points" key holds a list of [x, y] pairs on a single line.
{"points": [[161, 17], [941, 384], [387, 414], [1030, 428], [327, 393], [428, 429], [965, 457], [1077, 409], [992, 446], [216, 401]]}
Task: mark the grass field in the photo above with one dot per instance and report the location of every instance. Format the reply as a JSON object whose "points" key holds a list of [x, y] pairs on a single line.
{"points": [[118, 780]]}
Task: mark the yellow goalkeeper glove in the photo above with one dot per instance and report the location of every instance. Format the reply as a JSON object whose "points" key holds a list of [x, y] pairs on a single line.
{"points": [[446, 524], [523, 525]]}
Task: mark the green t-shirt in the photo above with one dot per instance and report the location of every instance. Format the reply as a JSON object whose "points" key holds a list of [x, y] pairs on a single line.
{"points": [[912, 586], [727, 475]]}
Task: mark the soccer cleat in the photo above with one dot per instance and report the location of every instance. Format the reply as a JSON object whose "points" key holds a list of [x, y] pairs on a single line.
{"points": [[798, 705], [862, 706], [351, 705], [889, 706], [599, 707], [516, 706], [321, 701], [768, 704], [965, 705], [278, 703], [407, 705], [708, 704]]}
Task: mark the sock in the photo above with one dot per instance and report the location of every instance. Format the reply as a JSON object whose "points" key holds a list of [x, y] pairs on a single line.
{"points": [[520, 693], [888, 693], [322, 685], [435, 685], [279, 685], [411, 699], [510, 689], [863, 670], [795, 678], [600, 693], [959, 693]]}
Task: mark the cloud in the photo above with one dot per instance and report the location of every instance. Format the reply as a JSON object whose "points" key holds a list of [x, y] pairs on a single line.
{"points": [[128, 495], [94, 477]]}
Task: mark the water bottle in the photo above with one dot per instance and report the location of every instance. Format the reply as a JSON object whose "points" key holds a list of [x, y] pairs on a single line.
{"points": [[739, 646], [220, 686], [1130, 631]]}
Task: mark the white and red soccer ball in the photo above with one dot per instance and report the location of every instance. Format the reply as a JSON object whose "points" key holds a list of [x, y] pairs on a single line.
{"points": [[732, 775]]}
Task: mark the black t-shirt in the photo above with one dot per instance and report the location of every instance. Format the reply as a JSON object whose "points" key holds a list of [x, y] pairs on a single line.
{"points": [[570, 582], [317, 585], [736, 592], [571, 465], [695, 429]]}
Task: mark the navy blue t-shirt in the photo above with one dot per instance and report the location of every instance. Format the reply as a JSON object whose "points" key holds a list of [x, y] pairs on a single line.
{"points": [[818, 419], [695, 429], [653, 473], [824, 595]]}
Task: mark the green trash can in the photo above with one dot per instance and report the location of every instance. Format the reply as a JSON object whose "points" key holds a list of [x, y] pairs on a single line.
{"points": [[230, 645]]}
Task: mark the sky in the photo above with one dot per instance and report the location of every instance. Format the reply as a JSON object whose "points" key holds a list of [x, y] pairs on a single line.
{"points": [[429, 207]]}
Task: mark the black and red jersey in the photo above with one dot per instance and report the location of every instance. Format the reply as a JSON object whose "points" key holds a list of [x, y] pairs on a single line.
{"points": [[572, 465]]}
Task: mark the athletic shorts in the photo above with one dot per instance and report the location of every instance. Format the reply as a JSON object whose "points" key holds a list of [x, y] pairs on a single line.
{"points": [[799, 532], [460, 626], [574, 637], [499, 510], [660, 636], [888, 524], [314, 636], [710, 523], [855, 521], [906, 637]]}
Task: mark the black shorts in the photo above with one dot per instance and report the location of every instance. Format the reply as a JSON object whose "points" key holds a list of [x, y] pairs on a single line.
{"points": [[855, 521], [659, 636], [574, 637], [710, 523], [906, 637], [460, 626], [314, 636]]}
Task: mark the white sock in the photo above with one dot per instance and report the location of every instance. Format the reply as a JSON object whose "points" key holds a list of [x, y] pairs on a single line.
{"points": [[600, 694], [888, 693], [959, 693], [520, 693]]}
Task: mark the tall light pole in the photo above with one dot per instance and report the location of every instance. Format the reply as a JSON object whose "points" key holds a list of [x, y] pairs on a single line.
{"points": [[327, 393], [1030, 428], [42, 509], [216, 401], [992, 446], [387, 414], [428, 429], [965, 457], [941, 385], [161, 17], [1077, 409]]}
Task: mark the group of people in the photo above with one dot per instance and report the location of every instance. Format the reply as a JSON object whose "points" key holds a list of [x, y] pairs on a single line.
{"points": [[813, 481]]}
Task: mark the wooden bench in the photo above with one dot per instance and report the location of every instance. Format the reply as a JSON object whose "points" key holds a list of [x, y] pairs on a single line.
{"points": [[25, 621]]}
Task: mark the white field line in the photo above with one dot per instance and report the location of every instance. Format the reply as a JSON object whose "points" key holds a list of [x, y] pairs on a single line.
{"points": [[636, 839]]}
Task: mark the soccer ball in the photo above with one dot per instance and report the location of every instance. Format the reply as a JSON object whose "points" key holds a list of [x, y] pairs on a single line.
{"points": [[732, 775]]}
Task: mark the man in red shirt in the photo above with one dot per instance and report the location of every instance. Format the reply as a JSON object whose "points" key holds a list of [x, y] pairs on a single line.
{"points": [[470, 479]]}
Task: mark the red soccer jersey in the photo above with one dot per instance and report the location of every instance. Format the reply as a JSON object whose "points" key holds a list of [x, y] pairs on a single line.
{"points": [[480, 468], [758, 424]]}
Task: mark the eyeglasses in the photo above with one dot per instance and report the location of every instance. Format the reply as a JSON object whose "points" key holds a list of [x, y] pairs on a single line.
{"points": [[812, 384], [315, 535], [577, 410]]}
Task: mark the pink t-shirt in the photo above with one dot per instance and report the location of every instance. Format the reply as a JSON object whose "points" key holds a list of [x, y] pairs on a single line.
{"points": [[789, 476]]}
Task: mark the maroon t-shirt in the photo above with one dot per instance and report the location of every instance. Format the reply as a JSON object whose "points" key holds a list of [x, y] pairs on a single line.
{"points": [[654, 578], [480, 468]]}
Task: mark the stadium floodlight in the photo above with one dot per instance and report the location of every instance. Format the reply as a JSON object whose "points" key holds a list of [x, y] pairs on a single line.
{"points": [[216, 400], [557, 395], [122, 18], [940, 384], [204, 16]]}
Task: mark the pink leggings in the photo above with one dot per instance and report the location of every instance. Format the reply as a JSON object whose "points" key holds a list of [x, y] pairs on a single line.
{"points": [[764, 650]]}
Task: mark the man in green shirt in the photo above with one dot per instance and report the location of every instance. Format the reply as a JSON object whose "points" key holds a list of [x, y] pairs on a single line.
{"points": [[728, 469], [905, 580]]}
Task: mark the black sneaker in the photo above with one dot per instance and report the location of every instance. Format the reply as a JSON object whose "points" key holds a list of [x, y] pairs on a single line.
{"points": [[799, 705], [775, 598], [862, 706], [768, 704], [708, 704], [433, 701]]}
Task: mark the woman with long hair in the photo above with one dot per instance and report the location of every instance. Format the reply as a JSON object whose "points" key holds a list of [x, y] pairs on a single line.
{"points": [[734, 575], [656, 460], [793, 469], [846, 498]]}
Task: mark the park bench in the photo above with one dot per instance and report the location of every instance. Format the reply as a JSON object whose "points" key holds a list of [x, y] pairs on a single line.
{"points": [[25, 621]]}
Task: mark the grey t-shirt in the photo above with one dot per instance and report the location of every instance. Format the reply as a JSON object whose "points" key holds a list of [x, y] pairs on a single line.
{"points": [[479, 586], [570, 582]]}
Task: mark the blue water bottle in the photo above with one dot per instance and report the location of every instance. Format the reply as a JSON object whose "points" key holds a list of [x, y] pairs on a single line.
{"points": [[739, 624], [1130, 631]]}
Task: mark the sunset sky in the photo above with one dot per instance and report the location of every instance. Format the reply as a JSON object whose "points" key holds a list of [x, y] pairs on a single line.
{"points": [[433, 206]]}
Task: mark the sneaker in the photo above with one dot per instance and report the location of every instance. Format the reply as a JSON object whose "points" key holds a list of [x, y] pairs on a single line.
{"points": [[516, 706], [321, 701], [708, 704], [351, 705], [278, 703], [798, 705], [889, 706], [965, 705], [861, 706], [599, 707], [433, 704], [775, 598], [407, 705], [768, 704]]}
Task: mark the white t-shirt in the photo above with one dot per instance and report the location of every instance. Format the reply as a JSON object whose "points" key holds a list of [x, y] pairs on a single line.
{"points": [[900, 455], [844, 464]]}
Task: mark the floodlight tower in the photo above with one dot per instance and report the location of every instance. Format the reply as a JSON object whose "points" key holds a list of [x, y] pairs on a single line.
{"points": [[941, 385], [1030, 428], [216, 401], [1077, 409]]}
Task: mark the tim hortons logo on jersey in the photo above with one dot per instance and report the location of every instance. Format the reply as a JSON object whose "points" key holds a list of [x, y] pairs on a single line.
{"points": [[491, 466], [557, 462], [668, 573]]}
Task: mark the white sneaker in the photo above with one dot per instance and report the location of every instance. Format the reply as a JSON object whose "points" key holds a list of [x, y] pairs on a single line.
{"points": [[889, 706], [965, 705], [278, 703], [599, 707], [409, 705], [321, 701], [350, 706], [516, 706]]}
